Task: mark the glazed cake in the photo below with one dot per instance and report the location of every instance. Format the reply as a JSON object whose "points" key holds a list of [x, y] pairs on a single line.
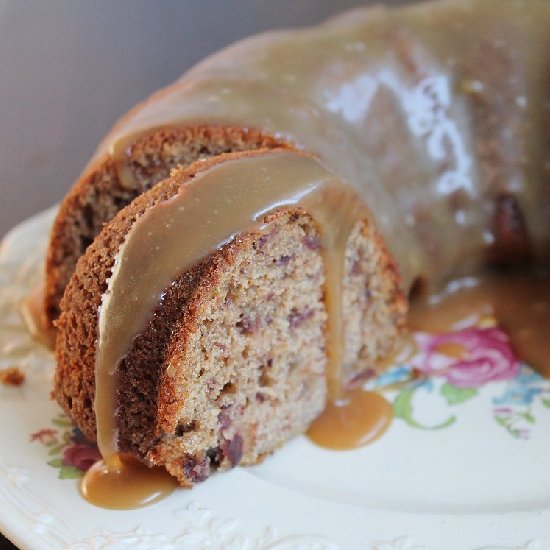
{"points": [[432, 117]]}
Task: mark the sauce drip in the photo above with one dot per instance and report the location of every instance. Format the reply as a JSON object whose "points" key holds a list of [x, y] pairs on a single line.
{"points": [[354, 421], [130, 485], [518, 302]]}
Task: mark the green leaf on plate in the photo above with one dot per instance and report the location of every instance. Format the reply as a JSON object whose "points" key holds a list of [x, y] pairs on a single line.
{"points": [[56, 463], [402, 406], [455, 395], [546, 403], [69, 472], [502, 421], [62, 422], [403, 409], [56, 450]]}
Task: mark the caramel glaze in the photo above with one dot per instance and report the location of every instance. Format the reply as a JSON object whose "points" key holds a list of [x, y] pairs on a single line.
{"points": [[519, 302], [459, 85], [428, 115], [354, 421], [129, 486]]}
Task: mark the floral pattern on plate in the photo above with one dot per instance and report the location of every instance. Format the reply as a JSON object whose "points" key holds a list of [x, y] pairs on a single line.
{"points": [[457, 365], [68, 448]]}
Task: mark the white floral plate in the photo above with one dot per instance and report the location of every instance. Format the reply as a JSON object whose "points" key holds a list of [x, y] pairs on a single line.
{"points": [[465, 465]]}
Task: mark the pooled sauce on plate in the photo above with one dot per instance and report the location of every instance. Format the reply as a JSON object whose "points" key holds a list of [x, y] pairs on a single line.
{"points": [[355, 420], [126, 485], [519, 302]]}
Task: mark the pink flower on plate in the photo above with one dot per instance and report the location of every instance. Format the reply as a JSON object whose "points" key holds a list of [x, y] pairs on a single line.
{"points": [[467, 358], [80, 456]]}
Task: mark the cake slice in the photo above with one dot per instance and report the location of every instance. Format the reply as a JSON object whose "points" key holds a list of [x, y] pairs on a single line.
{"points": [[232, 363]]}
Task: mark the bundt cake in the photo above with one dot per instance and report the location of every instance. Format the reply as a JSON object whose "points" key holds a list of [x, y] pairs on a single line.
{"points": [[257, 225]]}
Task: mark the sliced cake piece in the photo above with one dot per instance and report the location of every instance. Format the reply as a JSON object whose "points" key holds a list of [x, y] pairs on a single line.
{"points": [[232, 363]]}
